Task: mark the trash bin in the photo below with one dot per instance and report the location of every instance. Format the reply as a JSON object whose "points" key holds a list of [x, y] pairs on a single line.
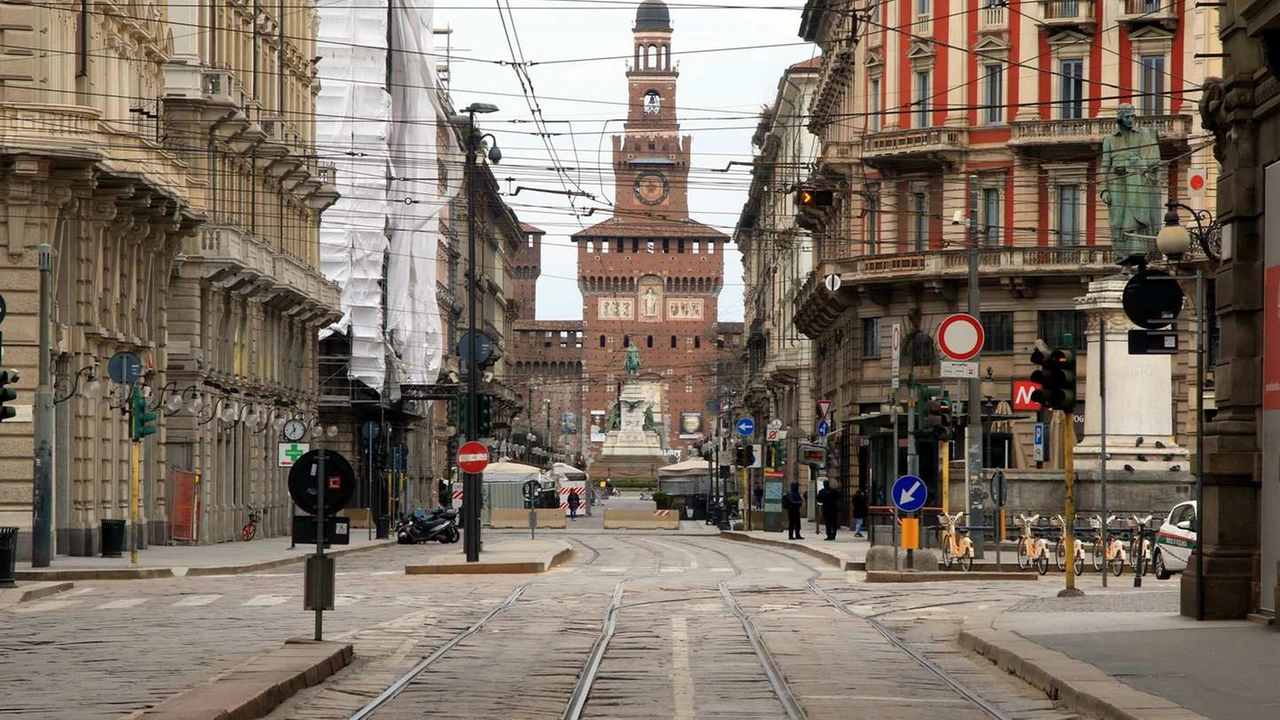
{"points": [[382, 525], [8, 556], [112, 536]]}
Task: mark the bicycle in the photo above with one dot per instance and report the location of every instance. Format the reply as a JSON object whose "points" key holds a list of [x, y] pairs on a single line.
{"points": [[1109, 552], [1032, 550], [1060, 549], [250, 528], [955, 547], [1139, 543]]}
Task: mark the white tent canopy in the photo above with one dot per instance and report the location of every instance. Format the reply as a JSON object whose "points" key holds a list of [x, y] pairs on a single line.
{"points": [[504, 471], [694, 467], [568, 472]]}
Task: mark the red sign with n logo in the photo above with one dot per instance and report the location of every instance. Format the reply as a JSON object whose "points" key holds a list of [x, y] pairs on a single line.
{"points": [[1022, 390]]}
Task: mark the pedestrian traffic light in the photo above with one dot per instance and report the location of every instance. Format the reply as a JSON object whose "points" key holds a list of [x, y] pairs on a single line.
{"points": [[7, 394], [485, 419], [937, 414], [141, 422], [808, 197], [1056, 376], [779, 454]]}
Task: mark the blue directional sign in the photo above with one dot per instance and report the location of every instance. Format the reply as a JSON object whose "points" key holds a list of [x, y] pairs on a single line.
{"points": [[746, 426], [909, 493], [823, 428]]}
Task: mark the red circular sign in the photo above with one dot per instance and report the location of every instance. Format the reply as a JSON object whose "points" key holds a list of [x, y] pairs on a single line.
{"points": [[1197, 181], [473, 457], [960, 337]]}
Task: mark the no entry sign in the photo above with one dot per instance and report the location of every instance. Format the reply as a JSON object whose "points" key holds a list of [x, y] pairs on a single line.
{"points": [[960, 337], [473, 457]]}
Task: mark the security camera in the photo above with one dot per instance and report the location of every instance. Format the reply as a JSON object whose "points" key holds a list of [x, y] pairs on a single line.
{"points": [[958, 218]]}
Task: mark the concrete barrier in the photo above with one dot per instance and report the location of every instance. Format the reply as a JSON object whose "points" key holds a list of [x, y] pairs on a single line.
{"points": [[640, 520], [518, 518], [513, 556]]}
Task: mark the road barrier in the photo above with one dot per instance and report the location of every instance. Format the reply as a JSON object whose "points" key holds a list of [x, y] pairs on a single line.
{"points": [[640, 520], [509, 518]]}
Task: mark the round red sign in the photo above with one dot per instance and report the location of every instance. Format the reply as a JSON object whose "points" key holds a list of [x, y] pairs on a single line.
{"points": [[473, 457], [960, 337]]}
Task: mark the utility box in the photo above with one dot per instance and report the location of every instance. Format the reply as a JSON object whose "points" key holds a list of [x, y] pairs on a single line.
{"points": [[318, 583]]}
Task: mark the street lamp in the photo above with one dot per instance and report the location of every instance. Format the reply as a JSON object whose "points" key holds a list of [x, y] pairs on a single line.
{"points": [[473, 483], [92, 388]]}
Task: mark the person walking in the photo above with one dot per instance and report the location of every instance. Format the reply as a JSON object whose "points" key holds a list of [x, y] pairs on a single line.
{"points": [[574, 502], [829, 499], [792, 502], [758, 493], [859, 512]]}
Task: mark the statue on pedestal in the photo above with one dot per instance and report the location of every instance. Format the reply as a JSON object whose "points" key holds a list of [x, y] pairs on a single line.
{"points": [[632, 364], [1133, 187], [648, 417]]}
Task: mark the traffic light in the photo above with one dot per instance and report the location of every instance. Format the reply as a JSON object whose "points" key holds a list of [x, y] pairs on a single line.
{"points": [[462, 415], [779, 454], [7, 394], [937, 419], [745, 456], [485, 419], [141, 422], [1056, 376], [808, 197]]}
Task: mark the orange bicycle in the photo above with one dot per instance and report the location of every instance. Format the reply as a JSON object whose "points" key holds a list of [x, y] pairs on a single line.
{"points": [[956, 546], [1032, 550], [1109, 552], [1060, 548]]}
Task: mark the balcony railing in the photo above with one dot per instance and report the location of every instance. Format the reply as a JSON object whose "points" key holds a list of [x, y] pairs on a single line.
{"points": [[1147, 10], [909, 142], [1068, 12], [923, 26], [1093, 130], [992, 17]]}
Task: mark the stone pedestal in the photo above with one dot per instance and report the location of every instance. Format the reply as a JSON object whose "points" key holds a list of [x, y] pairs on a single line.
{"points": [[1139, 403], [632, 439]]}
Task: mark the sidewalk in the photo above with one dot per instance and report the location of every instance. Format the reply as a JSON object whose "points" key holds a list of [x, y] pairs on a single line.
{"points": [[159, 561], [846, 551], [1127, 653]]}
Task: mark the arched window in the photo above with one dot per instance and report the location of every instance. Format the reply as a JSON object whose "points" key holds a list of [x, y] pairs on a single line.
{"points": [[649, 342], [601, 341], [626, 341], [697, 342], [673, 341]]}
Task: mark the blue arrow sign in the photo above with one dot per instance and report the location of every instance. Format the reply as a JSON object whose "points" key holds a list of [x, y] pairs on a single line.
{"points": [[746, 426], [823, 428], [909, 493]]}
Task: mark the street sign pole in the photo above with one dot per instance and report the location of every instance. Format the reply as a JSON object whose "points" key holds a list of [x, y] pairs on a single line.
{"points": [[973, 483], [320, 483]]}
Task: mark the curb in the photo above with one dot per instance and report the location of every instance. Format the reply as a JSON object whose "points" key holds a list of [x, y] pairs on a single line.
{"points": [[917, 576], [839, 561], [172, 572], [14, 596], [498, 567], [1079, 686], [258, 686]]}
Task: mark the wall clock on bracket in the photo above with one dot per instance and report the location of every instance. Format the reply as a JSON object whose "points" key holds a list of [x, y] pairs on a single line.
{"points": [[652, 188]]}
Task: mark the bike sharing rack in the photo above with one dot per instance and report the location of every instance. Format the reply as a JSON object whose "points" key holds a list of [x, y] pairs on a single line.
{"points": [[321, 483]]}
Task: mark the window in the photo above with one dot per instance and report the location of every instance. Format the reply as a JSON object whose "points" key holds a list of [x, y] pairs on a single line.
{"points": [[1055, 325], [1152, 85], [697, 247], [649, 342], [1071, 89], [1069, 204], [635, 245], [711, 247], [604, 247], [999, 332], [666, 246], [680, 247], [620, 243], [922, 98], [673, 341], [991, 215], [870, 338], [919, 221], [991, 95], [697, 342], [626, 341], [874, 100], [873, 224], [922, 7]]}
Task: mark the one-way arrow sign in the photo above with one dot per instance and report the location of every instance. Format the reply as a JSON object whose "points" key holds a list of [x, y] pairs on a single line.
{"points": [[909, 493]]}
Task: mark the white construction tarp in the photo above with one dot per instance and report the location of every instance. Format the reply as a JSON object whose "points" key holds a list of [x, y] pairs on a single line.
{"points": [[383, 141]]}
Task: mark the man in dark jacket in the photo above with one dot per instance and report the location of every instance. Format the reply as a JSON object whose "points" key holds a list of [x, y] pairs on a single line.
{"points": [[859, 511], [792, 502], [829, 499], [574, 502]]}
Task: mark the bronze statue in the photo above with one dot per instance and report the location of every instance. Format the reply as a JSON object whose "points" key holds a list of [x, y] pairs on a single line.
{"points": [[633, 360], [648, 417], [1133, 187]]}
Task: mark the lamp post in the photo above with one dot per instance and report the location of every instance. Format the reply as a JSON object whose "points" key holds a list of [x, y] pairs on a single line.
{"points": [[1174, 241], [472, 484]]}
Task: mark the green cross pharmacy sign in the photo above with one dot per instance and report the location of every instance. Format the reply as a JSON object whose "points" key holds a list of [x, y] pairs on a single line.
{"points": [[287, 453]]}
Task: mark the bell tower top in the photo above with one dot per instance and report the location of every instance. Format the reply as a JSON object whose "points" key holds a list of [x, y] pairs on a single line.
{"points": [[653, 15]]}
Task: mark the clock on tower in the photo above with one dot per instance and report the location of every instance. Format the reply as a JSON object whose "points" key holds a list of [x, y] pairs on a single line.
{"points": [[652, 188]]}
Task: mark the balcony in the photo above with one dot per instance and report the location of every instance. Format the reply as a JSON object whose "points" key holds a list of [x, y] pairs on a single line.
{"points": [[923, 146], [817, 308], [1136, 13], [923, 26], [220, 87], [1069, 15], [1047, 138], [993, 18], [239, 260]]}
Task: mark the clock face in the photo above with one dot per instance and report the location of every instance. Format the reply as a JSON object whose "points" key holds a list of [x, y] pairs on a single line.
{"points": [[651, 188], [294, 430]]}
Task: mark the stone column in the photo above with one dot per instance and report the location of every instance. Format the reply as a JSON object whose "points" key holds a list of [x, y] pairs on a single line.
{"points": [[1139, 404]]}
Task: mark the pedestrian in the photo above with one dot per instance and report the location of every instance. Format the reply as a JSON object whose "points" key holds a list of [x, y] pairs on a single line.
{"points": [[829, 499], [759, 496], [574, 502], [859, 512], [792, 503]]}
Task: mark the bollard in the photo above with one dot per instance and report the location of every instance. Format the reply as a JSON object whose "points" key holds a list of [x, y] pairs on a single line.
{"points": [[8, 557]]}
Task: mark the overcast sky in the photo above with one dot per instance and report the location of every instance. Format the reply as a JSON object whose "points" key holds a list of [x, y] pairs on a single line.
{"points": [[717, 97]]}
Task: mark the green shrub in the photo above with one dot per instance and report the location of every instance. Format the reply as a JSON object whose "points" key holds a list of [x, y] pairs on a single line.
{"points": [[662, 500]]}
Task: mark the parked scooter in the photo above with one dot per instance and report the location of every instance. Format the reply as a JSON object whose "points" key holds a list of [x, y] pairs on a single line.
{"points": [[439, 524]]}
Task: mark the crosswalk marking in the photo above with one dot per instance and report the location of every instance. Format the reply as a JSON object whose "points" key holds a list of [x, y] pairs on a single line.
{"points": [[266, 600], [779, 569], [672, 570], [123, 603], [344, 600], [613, 569], [728, 570], [47, 605], [196, 600]]}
